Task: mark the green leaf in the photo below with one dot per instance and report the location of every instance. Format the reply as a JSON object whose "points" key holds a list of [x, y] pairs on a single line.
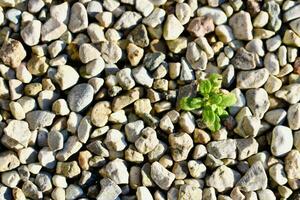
{"points": [[217, 124], [189, 104], [228, 100], [215, 99], [216, 81], [205, 87], [221, 112], [208, 115]]}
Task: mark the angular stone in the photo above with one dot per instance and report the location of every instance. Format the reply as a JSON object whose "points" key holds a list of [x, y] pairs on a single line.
{"points": [[289, 93], [161, 176], [223, 178], [200, 26], [222, 149], [117, 171], [18, 131], [52, 29], [244, 60], [12, 53], [109, 190], [8, 161], [39, 119], [254, 179]]}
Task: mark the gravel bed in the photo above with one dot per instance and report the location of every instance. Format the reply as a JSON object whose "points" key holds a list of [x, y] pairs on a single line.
{"points": [[90, 95]]}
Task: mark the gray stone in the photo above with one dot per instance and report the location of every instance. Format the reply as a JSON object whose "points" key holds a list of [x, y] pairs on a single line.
{"points": [[80, 96], [252, 79], [289, 93], [275, 117], [153, 60], [244, 60], [31, 33], [254, 179], [52, 29], [109, 190], [161, 176], [39, 119], [222, 149], [258, 102], [241, 25], [282, 140], [293, 116], [55, 140], [78, 18], [223, 178], [142, 77]]}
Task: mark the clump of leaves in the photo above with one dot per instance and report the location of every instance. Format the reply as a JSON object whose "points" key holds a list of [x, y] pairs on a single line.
{"points": [[211, 100]]}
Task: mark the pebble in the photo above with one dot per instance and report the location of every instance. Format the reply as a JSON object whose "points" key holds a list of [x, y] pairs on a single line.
{"points": [[258, 101], [31, 33], [181, 144], [109, 190], [293, 115], [134, 54], [12, 53], [18, 131], [100, 113], [10, 178], [277, 173], [183, 12], [271, 63], [275, 117], [291, 13], [224, 33], [71, 146], [292, 163], [60, 12], [141, 76], [254, 179], [261, 19], [125, 79], [117, 171], [88, 52], [222, 179], [133, 130], [46, 158], [9, 161], [155, 18], [282, 141], [144, 6], [218, 16], [73, 192], [200, 26], [289, 93], [52, 29], [241, 25], [66, 76], [110, 52], [187, 191], [147, 140], [222, 149], [80, 96], [252, 79], [172, 28], [161, 176], [127, 20], [68, 169], [55, 140], [39, 119], [115, 140], [246, 148], [244, 60], [78, 18]]}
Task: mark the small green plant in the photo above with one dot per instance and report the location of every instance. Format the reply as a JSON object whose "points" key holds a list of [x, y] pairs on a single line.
{"points": [[211, 100]]}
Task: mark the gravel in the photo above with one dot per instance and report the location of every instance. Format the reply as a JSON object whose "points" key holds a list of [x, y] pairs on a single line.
{"points": [[90, 99]]}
